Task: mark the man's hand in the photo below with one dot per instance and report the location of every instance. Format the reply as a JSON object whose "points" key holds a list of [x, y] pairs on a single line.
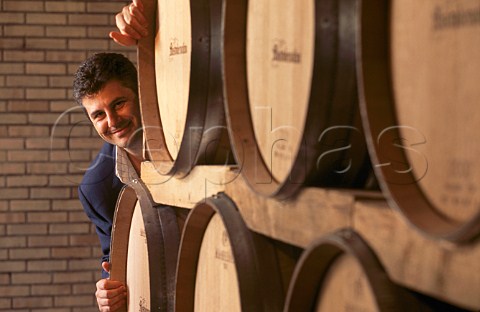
{"points": [[132, 24], [111, 295]]}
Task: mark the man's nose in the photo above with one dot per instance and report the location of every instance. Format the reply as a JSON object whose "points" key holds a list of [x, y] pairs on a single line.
{"points": [[113, 119]]}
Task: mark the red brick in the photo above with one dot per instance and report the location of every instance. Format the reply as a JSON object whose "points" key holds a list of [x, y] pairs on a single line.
{"points": [[65, 6], [99, 31], [105, 7], [80, 117], [68, 301], [42, 93], [23, 31], [27, 181], [7, 118], [11, 68], [27, 156], [30, 131], [46, 18], [50, 217], [46, 144], [77, 228], [45, 68], [22, 6], [9, 241], [70, 155], [38, 290], [30, 205], [32, 302], [47, 265], [77, 217], [65, 180], [45, 43], [84, 240], [12, 266], [11, 143], [14, 193], [82, 130], [45, 118], [12, 168], [12, 93], [4, 278], [28, 106], [67, 106], [5, 303], [88, 19], [12, 18], [85, 143], [46, 168], [27, 81], [67, 31], [48, 241], [85, 44], [67, 205], [86, 288], [26, 229], [50, 193], [71, 252], [11, 43], [21, 55], [72, 276], [14, 291], [84, 264], [31, 278], [29, 253], [12, 217]]}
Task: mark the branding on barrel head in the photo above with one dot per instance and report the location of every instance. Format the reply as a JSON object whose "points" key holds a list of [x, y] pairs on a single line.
{"points": [[455, 18], [142, 305], [224, 255], [176, 48], [143, 234], [282, 53]]}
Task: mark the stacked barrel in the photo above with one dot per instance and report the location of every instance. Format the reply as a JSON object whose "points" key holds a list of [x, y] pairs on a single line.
{"points": [[372, 95]]}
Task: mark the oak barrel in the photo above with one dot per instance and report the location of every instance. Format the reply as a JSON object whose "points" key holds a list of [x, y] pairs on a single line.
{"points": [[143, 250], [339, 272], [418, 71], [291, 100], [223, 266], [180, 86]]}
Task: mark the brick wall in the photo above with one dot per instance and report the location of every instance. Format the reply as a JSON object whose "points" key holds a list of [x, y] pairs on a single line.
{"points": [[49, 252]]}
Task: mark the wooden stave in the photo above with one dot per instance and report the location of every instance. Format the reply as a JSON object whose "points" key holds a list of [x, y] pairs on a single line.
{"points": [[377, 107], [205, 105], [257, 272], [162, 235], [236, 91], [314, 264]]}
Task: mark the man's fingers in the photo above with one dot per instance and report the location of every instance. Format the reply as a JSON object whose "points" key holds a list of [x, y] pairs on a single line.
{"points": [[110, 293], [122, 39], [111, 304], [108, 284], [138, 4], [137, 13]]}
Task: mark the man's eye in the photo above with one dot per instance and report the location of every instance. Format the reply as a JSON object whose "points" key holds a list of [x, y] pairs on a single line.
{"points": [[98, 115], [119, 104]]}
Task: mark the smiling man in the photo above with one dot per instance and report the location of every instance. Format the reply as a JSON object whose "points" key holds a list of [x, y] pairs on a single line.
{"points": [[105, 85]]}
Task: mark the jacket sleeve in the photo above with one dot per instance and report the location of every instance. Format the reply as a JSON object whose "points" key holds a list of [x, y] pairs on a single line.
{"points": [[102, 224]]}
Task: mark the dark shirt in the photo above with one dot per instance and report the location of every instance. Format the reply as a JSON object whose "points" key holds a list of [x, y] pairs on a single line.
{"points": [[98, 193]]}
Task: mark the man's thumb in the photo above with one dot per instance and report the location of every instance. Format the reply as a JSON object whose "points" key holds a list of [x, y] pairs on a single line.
{"points": [[106, 266]]}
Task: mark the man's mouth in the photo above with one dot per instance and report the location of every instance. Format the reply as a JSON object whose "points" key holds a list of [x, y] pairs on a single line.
{"points": [[120, 131]]}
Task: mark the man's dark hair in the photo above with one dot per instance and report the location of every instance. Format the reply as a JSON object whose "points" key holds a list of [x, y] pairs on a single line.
{"points": [[100, 68]]}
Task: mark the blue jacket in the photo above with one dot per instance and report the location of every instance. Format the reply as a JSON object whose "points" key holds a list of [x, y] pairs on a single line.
{"points": [[98, 193]]}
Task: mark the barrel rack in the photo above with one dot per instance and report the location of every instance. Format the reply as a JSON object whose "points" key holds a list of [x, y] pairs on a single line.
{"points": [[437, 268]]}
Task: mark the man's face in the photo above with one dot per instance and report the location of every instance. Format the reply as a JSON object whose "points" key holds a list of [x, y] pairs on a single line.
{"points": [[114, 112]]}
